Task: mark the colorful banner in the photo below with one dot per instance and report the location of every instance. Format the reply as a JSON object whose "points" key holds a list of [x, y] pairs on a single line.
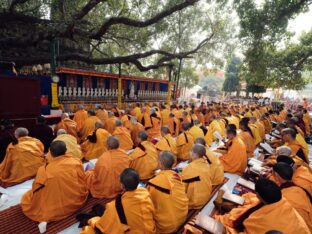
{"points": [[55, 103]]}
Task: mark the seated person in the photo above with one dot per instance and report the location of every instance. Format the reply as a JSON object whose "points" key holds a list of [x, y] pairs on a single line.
{"points": [[80, 117], [42, 132], [73, 148], [135, 128], [59, 189], [271, 212], [103, 179], [235, 159], [67, 124], [124, 136], [154, 131], [247, 136], [185, 142], [110, 123], [144, 158], [298, 197], [216, 167], [196, 131], [197, 177], [168, 195], [89, 125], [132, 211], [173, 125], [167, 142], [95, 144], [22, 159]]}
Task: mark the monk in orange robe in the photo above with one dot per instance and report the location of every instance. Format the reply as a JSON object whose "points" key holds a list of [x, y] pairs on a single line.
{"points": [[167, 142], [126, 119], [216, 167], [266, 123], [131, 212], [200, 117], [70, 126], [196, 131], [185, 142], [197, 177], [22, 159], [124, 136], [137, 110], [298, 197], [59, 189], [186, 118], [145, 118], [168, 195], [235, 159], [103, 180], [80, 117], [144, 158], [307, 121], [154, 130], [174, 125], [110, 124], [247, 137], [101, 114], [135, 128], [89, 125], [95, 145], [164, 113]]}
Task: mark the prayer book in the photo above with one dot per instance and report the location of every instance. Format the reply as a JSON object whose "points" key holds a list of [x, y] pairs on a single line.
{"points": [[233, 198], [246, 183], [267, 147], [209, 224]]}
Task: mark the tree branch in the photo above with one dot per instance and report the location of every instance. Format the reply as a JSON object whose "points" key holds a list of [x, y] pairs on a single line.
{"points": [[87, 8], [16, 2], [140, 24]]}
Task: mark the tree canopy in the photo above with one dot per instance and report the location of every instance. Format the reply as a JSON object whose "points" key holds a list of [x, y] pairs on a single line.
{"points": [[232, 76]]}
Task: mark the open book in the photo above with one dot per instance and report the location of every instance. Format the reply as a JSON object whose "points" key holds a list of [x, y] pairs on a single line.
{"points": [[233, 198], [267, 148], [246, 183], [209, 224], [217, 135]]}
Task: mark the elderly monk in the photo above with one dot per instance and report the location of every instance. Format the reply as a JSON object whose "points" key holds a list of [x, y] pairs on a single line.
{"points": [[101, 113], [103, 179], [185, 142], [197, 177], [168, 195], [289, 137], [109, 125], [135, 128], [271, 212], [196, 131], [298, 197], [174, 125], [73, 148], [235, 159], [59, 189], [216, 167], [144, 158], [22, 159], [80, 117], [131, 212], [167, 142], [67, 124], [124, 136], [95, 145], [89, 125]]}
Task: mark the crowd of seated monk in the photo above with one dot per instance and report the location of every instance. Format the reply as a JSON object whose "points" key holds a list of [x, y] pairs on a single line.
{"points": [[145, 143]]}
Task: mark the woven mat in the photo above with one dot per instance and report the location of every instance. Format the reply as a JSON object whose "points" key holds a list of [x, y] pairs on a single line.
{"points": [[14, 221]]}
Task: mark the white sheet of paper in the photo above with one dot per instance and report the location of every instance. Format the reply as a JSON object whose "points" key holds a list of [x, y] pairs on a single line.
{"points": [[267, 147], [233, 198], [209, 224], [246, 183]]}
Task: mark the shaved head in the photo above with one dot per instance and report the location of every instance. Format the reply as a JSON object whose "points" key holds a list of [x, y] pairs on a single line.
{"points": [[64, 116], [283, 150], [98, 124], [118, 123], [112, 143], [61, 132], [199, 150], [21, 132], [130, 179], [57, 148], [165, 130], [200, 141], [110, 114], [166, 159]]}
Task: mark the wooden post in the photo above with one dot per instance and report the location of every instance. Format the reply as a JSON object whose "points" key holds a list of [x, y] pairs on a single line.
{"points": [[169, 86], [119, 87]]}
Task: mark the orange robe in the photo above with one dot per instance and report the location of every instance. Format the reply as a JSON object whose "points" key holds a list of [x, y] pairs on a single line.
{"points": [[279, 216], [261, 129], [134, 130], [197, 179], [216, 168], [201, 118], [80, 117], [267, 125], [154, 130], [167, 143], [174, 126], [307, 122], [22, 160], [144, 159], [124, 136], [170, 201], [94, 150], [103, 180], [110, 124], [304, 146], [58, 191], [138, 209], [235, 160], [185, 143], [145, 120], [196, 132], [102, 115], [69, 125], [73, 149], [136, 112], [299, 200], [297, 149], [126, 121], [303, 178], [256, 133], [249, 141], [165, 117], [88, 127], [214, 126]]}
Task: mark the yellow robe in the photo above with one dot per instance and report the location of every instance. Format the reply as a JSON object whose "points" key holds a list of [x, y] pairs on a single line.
{"points": [[304, 146], [256, 133], [73, 149], [102, 115], [167, 143], [22, 160], [69, 125], [235, 160], [58, 191], [88, 127], [137, 112], [94, 150], [144, 159], [267, 126], [196, 132], [138, 209], [103, 180], [299, 200], [216, 168], [185, 143], [170, 201], [307, 122], [261, 129], [279, 216], [110, 124], [197, 179], [214, 126], [80, 117], [165, 117], [174, 126], [134, 130], [303, 178], [154, 130], [124, 136], [296, 147], [249, 141]]}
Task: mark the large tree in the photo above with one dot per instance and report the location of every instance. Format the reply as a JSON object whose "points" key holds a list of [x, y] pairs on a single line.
{"points": [[232, 76]]}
